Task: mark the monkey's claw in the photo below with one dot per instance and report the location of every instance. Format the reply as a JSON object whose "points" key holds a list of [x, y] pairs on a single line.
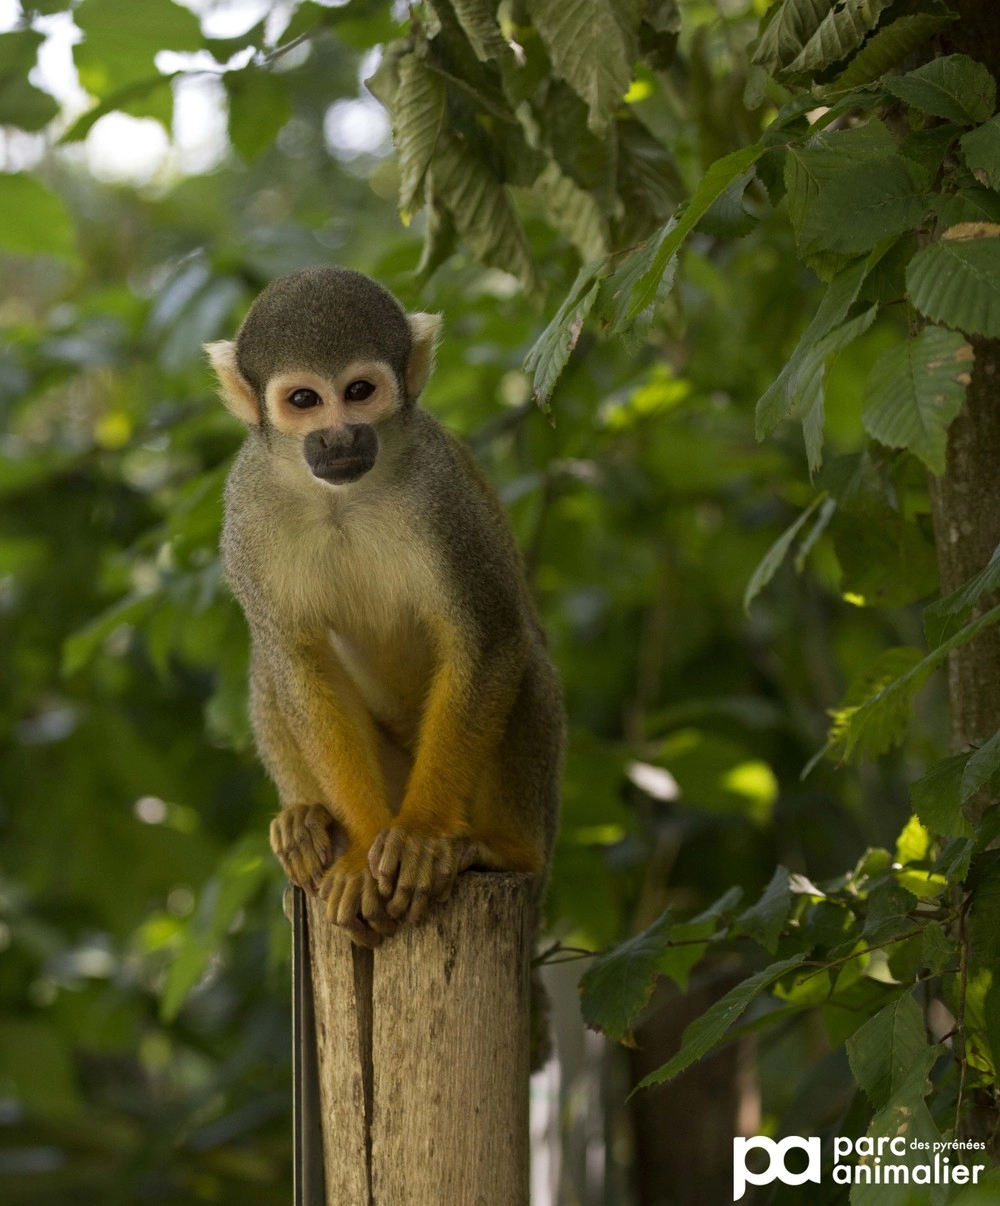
{"points": [[412, 869], [302, 838], [353, 902]]}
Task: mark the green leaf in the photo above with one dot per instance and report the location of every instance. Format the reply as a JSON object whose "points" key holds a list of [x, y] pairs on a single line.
{"points": [[718, 177], [778, 399], [914, 391], [789, 26], [982, 764], [983, 1000], [945, 617], [937, 950], [842, 30], [481, 206], [883, 1051], [133, 98], [957, 282], [21, 103], [552, 349], [880, 722], [259, 105], [727, 217], [973, 204], [34, 221], [618, 288], [889, 906], [889, 47], [954, 87], [765, 920], [417, 116], [478, 19], [981, 149], [572, 211], [937, 798], [587, 49], [619, 983], [242, 872], [81, 646], [869, 201], [119, 46], [809, 392], [771, 561], [710, 1029]]}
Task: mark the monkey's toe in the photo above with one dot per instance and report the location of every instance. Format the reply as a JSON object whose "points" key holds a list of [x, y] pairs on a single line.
{"points": [[354, 903], [413, 869], [302, 840]]}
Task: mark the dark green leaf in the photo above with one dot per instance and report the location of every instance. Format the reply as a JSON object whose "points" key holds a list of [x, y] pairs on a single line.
{"points": [[417, 116], [955, 87], [937, 798], [572, 211], [888, 47], [889, 906], [765, 920], [119, 48], [945, 617], [842, 29], [619, 983], [957, 282], [776, 554], [259, 105], [587, 50], [869, 201], [548, 357], [710, 1029], [914, 391], [981, 149], [983, 763], [883, 1051], [21, 103]]}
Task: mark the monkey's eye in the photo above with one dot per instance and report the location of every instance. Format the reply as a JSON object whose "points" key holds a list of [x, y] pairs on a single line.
{"points": [[304, 399], [359, 391]]}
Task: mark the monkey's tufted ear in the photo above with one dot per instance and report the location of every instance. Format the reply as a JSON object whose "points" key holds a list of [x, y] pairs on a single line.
{"points": [[424, 329], [235, 392]]}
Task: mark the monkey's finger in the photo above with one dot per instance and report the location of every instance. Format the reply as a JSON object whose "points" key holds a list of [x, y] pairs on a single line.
{"points": [[373, 910], [416, 879], [363, 935], [387, 868]]}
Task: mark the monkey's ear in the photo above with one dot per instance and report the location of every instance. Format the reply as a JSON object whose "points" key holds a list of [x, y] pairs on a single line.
{"points": [[424, 329], [236, 393]]}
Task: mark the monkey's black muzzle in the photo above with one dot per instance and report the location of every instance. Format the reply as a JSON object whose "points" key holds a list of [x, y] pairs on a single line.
{"points": [[341, 454]]}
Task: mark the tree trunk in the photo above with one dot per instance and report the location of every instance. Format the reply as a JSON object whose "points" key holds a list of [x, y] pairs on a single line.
{"points": [[423, 1053]]}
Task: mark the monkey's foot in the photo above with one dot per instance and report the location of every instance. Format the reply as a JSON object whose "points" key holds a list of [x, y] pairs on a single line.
{"points": [[302, 837], [353, 901], [412, 869]]}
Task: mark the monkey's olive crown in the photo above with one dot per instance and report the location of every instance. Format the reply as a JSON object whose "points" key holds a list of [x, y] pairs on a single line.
{"points": [[326, 318]]}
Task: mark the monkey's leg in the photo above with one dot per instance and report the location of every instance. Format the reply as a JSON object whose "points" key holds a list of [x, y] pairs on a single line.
{"points": [[337, 741], [418, 856], [305, 837]]}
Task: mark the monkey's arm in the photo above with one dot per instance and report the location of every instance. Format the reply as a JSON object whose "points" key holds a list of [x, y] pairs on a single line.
{"points": [[312, 727], [469, 702]]}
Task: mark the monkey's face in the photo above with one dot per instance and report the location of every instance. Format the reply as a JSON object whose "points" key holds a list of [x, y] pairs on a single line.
{"points": [[333, 421]]}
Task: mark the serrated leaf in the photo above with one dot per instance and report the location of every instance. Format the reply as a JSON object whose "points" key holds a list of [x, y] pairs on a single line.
{"points": [[259, 105], [572, 211], [710, 1029], [968, 205], [937, 799], [587, 49], [981, 149], [881, 721], [954, 87], [914, 391], [889, 906], [712, 184], [483, 211], [861, 205], [937, 950], [809, 392], [883, 1051], [619, 983], [552, 349], [957, 282], [887, 48], [789, 26], [727, 216], [945, 617], [418, 111], [33, 220], [842, 30], [617, 289], [478, 19], [765, 920], [981, 765], [771, 561]]}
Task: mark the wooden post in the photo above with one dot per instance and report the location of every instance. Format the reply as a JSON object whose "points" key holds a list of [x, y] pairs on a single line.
{"points": [[423, 1053]]}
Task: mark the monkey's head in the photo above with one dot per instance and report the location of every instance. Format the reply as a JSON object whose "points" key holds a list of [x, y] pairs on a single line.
{"points": [[324, 359]]}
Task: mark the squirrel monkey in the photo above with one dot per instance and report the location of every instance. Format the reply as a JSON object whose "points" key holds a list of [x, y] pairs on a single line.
{"points": [[401, 694]]}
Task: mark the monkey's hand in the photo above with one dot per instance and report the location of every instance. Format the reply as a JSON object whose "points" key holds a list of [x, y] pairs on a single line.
{"points": [[412, 869], [353, 900], [305, 839]]}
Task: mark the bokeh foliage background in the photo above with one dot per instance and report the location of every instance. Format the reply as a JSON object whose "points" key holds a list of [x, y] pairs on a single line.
{"points": [[143, 1013]]}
